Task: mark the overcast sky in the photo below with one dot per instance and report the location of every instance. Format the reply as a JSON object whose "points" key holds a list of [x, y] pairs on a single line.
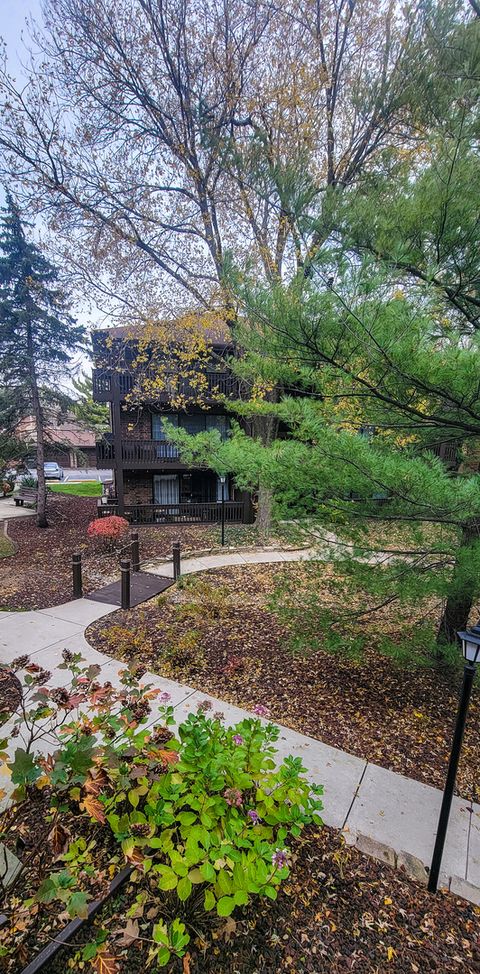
{"points": [[13, 16], [13, 24]]}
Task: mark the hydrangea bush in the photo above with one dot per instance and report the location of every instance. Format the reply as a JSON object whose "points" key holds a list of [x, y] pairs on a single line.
{"points": [[207, 817]]}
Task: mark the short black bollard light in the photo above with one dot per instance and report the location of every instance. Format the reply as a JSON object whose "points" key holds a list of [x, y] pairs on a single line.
{"points": [[135, 547], [125, 587], [77, 575], [176, 559], [471, 653]]}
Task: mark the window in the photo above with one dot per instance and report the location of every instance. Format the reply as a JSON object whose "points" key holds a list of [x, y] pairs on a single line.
{"points": [[158, 432], [166, 488], [199, 422]]}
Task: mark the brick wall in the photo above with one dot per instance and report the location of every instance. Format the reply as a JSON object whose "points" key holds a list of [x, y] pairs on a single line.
{"points": [[136, 424], [138, 487]]}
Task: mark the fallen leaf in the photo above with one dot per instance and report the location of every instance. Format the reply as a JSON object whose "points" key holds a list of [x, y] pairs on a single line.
{"points": [[129, 933], [228, 928], [105, 964]]}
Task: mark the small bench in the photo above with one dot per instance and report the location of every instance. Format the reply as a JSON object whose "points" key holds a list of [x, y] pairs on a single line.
{"points": [[26, 495]]}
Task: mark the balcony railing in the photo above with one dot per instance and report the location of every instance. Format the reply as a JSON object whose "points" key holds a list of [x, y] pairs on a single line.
{"points": [[217, 384], [137, 453], [186, 513]]}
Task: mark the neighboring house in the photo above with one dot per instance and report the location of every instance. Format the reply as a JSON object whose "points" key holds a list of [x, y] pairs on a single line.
{"points": [[151, 484], [66, 441]]}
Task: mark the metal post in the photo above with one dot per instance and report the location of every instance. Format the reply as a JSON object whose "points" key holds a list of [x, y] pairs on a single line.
{"points": [[223, 512], [176, 559], [77, 575], [125, 576], [135, 552], [465, 693]]}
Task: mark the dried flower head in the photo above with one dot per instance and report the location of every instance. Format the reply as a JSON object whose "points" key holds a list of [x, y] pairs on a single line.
{"points": [[233, 797]]}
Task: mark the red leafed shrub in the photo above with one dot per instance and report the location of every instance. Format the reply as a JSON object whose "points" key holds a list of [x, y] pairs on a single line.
{"points": [[108, 529]]}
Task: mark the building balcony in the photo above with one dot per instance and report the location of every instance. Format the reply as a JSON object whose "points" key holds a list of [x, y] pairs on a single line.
{"points": [[137, 454], [108, 383]]}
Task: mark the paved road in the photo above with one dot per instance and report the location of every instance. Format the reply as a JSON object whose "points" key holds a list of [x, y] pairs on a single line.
{"points": [[81, 474], [84, 473]]}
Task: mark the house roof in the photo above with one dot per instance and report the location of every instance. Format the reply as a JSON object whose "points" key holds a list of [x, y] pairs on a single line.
{"points": [[69, 433], [214, 328]]}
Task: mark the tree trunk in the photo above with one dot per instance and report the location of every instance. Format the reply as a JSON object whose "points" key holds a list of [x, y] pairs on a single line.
{"points": [[462, 590], [40, 435], [454, 617], [264, 514], [265, 428]]}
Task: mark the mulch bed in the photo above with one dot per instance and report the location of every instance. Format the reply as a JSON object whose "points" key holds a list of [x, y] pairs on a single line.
{"points": [[239, 651], [38, 575], [338, 912], [10, 694]]}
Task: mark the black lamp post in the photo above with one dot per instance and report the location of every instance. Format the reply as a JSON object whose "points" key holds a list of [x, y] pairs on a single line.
{"points": [[222, 481], [471, 654]]}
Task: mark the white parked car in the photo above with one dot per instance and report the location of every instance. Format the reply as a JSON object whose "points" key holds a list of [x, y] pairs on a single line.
{"points": [[52, 471]]}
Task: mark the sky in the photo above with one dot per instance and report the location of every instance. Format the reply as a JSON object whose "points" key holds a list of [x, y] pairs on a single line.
{"points": [[13, 14], [13, 17]]}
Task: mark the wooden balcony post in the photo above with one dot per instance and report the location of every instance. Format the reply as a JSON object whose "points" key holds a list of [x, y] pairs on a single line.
{"points": [[117, 442]]}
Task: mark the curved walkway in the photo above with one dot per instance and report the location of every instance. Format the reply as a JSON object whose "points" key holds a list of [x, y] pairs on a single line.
{"points": [[384, 814]]}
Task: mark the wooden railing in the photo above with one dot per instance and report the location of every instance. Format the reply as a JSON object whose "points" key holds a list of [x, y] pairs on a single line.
{"points": [[191, 513], [137, 452], [217, 384], [148, 451]]}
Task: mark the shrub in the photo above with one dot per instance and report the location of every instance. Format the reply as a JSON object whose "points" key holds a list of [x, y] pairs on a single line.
{"points": [[29, 481], [206, 818], [109, 530]]}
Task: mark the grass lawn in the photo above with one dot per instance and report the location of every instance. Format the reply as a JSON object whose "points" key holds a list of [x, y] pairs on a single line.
{"points": [[87, 488], [6, 547]]}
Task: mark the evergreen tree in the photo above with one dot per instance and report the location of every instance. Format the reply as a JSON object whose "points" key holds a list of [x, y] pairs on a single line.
{"points": [[37, 334], [376, 351], [92, 415]]}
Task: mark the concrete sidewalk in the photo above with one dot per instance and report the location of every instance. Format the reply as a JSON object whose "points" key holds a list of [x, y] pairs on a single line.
{"points": [[10, 510], [226, 559], [385, 814]]}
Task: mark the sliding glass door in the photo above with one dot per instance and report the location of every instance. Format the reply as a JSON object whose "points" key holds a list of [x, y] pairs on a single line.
{"points": [[166, 488]]}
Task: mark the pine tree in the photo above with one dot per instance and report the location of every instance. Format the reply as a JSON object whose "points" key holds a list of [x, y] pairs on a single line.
{"points": [[37, 334], [92, 415]]}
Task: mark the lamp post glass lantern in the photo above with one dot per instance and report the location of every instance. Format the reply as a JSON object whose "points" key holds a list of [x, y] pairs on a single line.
{"points": [[470, 640], [471, 644]]}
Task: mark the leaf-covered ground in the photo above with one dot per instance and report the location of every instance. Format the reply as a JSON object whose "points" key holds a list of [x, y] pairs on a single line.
{"points": [[219, 634], [38, 574], [338, 912]]}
